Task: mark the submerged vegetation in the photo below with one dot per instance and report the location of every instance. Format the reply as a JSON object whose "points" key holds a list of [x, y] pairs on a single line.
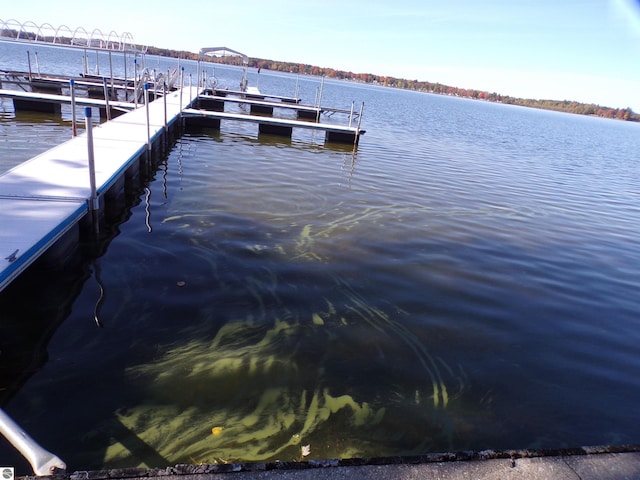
{"points": [[317, 378]]}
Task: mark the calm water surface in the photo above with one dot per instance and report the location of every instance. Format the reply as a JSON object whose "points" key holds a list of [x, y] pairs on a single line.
{"points": [[466, 279]]}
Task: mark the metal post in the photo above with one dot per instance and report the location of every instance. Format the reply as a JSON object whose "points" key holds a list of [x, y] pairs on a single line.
{"points": [[106, 97], [37, 64], [74, 127], [321, 88], [29, 62], [190, 89], [319, 101], [135, 82], [146, 106], [297, 88], [85, 63], [164, 99], [42, 461], [155, 84], [94, 202], [198, 73], [351, 114], [357, 137], [111, 68], [181, 86]]}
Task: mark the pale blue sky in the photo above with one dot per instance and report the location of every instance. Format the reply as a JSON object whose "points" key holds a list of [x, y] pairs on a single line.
{"points": [[585, 50]]}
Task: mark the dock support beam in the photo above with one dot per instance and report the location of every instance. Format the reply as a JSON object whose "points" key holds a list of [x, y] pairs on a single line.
{"points": [[282, 130], [210, 104], [310, 114], [202, 122], [341, 137], [24, 105], [262, 109]]}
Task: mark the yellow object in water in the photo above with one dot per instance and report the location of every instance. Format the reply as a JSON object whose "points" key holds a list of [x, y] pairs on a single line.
{"points": [[217, 431]]}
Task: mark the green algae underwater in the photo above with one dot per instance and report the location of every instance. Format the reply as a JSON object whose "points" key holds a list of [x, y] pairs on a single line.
{"points": [[285, 385]]}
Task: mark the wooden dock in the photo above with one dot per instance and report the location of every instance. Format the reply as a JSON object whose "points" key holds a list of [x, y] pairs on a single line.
{"points": [[44, 199]]}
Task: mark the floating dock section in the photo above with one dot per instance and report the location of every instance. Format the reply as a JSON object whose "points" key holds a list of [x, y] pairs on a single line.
{"points": [[211, 110], [274, 125], [43, 200]]}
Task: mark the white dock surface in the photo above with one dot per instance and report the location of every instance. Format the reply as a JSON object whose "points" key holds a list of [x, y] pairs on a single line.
{"points": [[282, 122], [45, 196]]}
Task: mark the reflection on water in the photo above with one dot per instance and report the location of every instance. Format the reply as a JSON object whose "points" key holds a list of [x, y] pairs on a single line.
{"points": [[466, 280]]}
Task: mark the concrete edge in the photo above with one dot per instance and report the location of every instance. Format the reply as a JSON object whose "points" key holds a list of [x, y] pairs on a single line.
{"points": [[462, 456]]}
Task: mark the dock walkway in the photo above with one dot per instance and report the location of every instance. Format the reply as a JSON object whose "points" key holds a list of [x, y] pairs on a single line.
{"points": [[43, 198], [304, 111]]}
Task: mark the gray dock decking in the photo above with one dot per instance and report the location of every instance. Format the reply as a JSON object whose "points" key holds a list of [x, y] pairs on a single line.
{"points": [[41, 199]]}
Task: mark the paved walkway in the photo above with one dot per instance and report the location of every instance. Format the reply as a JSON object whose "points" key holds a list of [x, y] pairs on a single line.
{"points": [[593, 463]]}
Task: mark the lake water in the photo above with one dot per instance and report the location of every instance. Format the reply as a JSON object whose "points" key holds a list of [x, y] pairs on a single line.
{"points": [[466, 279]]}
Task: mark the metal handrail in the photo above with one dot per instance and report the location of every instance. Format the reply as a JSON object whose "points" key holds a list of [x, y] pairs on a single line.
{"points": [[42, 461]]}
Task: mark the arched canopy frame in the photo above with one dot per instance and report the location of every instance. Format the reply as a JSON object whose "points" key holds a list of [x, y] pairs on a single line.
{"points": [[29, 31]]}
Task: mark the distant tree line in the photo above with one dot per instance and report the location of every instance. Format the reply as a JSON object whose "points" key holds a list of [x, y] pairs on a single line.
{"points": [[558, 105], [305, 69]]}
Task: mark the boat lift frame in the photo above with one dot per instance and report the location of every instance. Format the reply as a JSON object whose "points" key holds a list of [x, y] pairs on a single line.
{"points": [[225, 52]]}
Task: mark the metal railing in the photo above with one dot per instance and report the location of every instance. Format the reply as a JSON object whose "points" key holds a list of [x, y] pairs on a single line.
{"points": [[42, 461]]}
